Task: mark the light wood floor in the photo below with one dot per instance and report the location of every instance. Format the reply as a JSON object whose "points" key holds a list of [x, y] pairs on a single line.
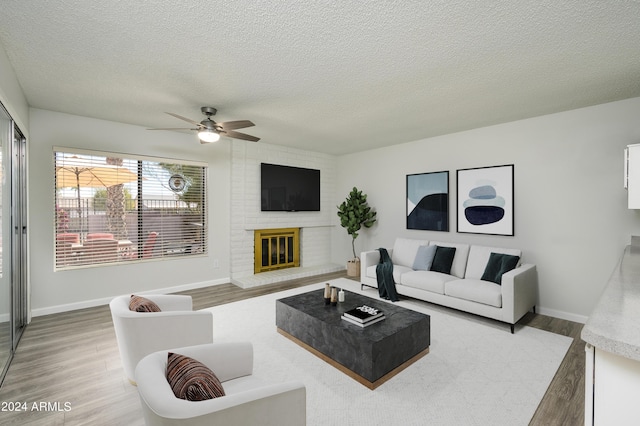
{"points": [[72, 357]]}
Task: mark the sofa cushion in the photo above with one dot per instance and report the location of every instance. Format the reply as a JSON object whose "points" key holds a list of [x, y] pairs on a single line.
{"points": [[398, 270], [479, 257], [459, 260], [479, 291], [424, 258], [443, 259], [498, 264], [192, 380], [405, 250], [426, 280]]}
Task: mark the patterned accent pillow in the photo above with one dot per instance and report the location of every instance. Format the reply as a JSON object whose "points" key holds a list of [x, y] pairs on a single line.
{"points": [[142, 304], [192, 380]]}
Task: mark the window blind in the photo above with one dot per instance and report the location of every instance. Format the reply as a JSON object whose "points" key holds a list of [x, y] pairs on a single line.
{"points": [[112, 208]]}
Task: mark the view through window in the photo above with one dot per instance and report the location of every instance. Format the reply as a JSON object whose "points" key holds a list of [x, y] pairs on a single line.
{"points": [[110, 208]]}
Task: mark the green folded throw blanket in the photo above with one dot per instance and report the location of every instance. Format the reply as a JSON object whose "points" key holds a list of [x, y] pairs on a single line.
{"points": [[384, 274]]}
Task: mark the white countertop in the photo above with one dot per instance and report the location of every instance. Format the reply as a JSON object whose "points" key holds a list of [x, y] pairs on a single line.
{"points": [[614, 324]]}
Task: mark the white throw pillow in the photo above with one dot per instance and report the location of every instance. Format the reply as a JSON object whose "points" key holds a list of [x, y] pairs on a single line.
{"points": [[424, 258]]}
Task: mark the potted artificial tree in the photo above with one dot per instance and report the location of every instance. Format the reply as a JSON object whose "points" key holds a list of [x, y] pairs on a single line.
{"points": [[354, 213]]}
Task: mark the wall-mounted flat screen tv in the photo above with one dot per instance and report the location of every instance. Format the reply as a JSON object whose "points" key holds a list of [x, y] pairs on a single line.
{"points": [[289, 189]]}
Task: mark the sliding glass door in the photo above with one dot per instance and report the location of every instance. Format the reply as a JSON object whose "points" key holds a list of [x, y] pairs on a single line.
{"points": [[13, 239], [6, 345], [19, 237]]}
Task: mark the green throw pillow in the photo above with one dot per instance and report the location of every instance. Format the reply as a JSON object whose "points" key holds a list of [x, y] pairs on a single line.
{"points": [[497, 265], [443, 259]]}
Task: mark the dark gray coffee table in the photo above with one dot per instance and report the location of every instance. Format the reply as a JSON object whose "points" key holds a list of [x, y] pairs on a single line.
{"points": [[370, 355]]}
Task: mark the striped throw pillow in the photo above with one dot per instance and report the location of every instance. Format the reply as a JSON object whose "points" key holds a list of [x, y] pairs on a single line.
{"points": [[192, 380], [142, 304]]}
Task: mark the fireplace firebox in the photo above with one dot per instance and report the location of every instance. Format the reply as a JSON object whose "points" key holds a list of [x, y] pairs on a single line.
{"points": [[276, 249]]}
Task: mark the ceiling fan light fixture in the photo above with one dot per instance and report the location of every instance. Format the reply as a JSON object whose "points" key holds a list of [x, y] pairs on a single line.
{"points": [[209, 131], [208, 135]]}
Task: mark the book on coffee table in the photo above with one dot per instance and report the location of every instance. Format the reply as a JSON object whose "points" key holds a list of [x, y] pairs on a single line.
{"points": [[362, 324], [363, 314]]}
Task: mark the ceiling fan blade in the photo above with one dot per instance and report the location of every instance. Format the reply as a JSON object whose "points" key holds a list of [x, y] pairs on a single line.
{"points": [[232, 125], [238, 135], [188, 120], [172, 128]]}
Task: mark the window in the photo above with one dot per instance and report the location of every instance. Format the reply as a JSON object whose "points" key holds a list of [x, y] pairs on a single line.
{"points": [[112, 209]]}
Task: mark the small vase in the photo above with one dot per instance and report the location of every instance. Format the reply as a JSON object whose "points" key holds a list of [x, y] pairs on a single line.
{"points": [[327, 293], [334, 296]]}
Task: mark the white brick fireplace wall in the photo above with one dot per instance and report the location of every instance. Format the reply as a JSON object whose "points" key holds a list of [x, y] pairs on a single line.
{"points": [[315, 227]]}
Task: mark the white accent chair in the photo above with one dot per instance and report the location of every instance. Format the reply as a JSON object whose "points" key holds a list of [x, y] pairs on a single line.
{"points": [[248, 399], [141, 333]]}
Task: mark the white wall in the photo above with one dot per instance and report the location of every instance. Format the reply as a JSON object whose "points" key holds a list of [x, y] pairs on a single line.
{"points": [[63, 290], [571, 218]]}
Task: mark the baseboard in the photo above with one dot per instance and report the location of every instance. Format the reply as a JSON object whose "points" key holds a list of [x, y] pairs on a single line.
{"points": [[562, 315], [105, 300]]}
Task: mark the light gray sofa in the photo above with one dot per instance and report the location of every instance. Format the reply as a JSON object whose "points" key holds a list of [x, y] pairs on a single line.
{"points": [[463, 288]]}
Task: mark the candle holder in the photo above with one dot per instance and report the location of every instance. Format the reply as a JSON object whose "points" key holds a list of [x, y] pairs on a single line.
{"points": [[327, 293]]}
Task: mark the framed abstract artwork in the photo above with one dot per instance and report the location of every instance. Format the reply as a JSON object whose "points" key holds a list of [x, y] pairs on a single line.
{"points": [[485, 200], [428, 201]]}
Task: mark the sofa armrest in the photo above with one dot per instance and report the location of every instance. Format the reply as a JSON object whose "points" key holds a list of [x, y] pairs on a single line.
{"points": [[519, 292], [272, 404], [368, 258]]}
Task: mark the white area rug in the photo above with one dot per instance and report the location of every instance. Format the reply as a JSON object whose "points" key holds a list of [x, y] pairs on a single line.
{"points": [[476, 373]]}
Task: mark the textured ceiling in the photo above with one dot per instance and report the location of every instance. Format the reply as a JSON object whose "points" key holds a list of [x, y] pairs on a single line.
{"points": [[328, 76]]}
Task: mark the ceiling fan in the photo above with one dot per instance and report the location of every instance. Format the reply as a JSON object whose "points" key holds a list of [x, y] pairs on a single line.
{"points": [[210, 131]]}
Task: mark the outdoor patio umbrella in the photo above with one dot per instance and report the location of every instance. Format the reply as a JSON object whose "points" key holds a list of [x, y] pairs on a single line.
{"points": [[78, 173]]}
